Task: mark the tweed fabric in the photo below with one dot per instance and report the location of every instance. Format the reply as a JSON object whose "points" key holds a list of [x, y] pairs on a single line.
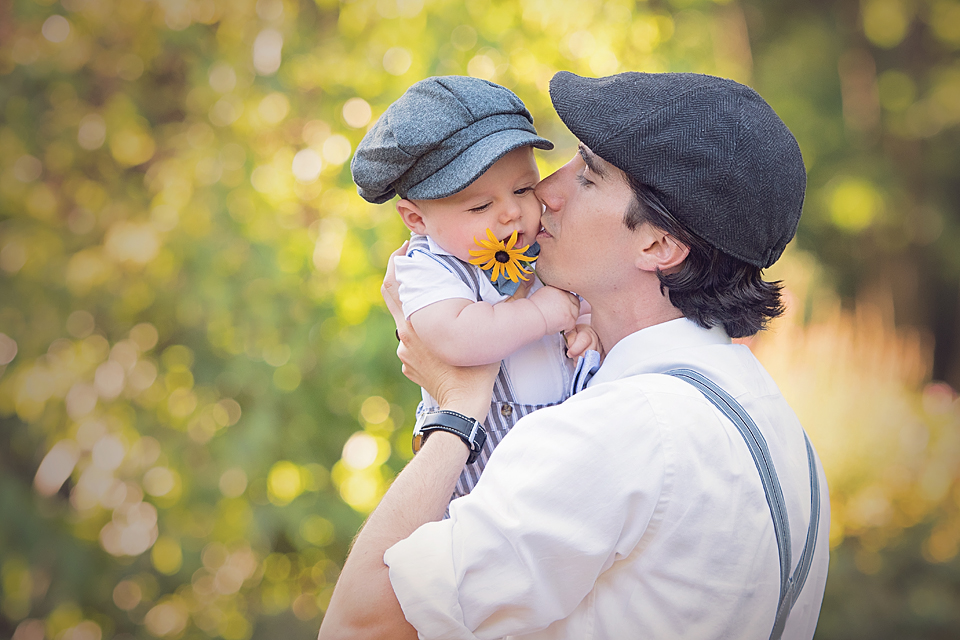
{"points": [[439, 137], [715, 153]]}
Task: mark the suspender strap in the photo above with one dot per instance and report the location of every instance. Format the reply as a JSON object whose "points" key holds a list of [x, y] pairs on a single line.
{"points": [[455, 265], [799, 576], [467, 273], [790, 585]]}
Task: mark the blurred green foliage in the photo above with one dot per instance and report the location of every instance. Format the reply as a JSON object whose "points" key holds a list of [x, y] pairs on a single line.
{"points": [[199, 399]]}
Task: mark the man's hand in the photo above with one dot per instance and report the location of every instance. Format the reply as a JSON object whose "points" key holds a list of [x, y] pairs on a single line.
{"points": [[559, 308], [581, 339]]}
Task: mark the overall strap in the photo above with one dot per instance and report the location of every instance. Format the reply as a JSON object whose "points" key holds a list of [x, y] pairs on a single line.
{"points": [[466, 272], [790, 585]]}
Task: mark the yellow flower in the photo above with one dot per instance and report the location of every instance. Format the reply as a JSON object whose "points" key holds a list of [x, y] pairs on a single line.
{"points": [[499, 257]]}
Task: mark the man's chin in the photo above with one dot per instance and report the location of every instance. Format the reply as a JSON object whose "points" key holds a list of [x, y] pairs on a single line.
{"points": [[545, 272]]}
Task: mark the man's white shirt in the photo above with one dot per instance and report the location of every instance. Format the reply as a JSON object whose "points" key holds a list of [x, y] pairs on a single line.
{"points": [[632, 510]]}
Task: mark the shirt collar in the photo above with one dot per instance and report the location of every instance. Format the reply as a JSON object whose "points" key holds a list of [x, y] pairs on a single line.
{"points": [[436, 249], [656, 349]]}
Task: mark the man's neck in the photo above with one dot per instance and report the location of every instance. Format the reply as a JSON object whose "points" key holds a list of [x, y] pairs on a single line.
{"points": [[615, 322]]}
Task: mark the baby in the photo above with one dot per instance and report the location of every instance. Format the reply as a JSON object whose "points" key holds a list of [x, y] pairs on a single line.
{"points": [[459, 153]]}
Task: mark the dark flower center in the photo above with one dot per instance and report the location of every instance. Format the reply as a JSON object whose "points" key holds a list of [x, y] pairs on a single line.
{"points": [[502, 256]]}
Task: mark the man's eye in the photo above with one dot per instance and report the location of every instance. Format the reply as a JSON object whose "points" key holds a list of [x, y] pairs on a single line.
{"points": [[583, 180]]}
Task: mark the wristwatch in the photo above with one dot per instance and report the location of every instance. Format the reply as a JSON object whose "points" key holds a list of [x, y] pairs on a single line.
{"points": [[458, 424]]}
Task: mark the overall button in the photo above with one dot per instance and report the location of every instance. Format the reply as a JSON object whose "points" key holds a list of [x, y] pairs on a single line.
{"points": [[506, 411]]}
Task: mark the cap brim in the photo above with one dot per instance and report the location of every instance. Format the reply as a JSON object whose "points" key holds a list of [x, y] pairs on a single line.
{"points": [[472, 163]]}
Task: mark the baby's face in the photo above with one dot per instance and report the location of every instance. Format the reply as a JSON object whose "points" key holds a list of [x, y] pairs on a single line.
{"points": [[501, 200]]}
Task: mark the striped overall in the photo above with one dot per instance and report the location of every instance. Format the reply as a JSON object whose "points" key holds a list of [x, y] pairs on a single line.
{"points": [[504, 409]]}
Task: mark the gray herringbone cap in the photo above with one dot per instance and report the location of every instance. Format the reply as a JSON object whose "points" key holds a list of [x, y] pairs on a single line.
{"points": [[714, 152], [439, 137]]}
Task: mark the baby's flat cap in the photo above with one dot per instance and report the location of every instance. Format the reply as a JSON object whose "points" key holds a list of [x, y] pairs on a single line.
{"points": [[439, 137], [714, 152]]}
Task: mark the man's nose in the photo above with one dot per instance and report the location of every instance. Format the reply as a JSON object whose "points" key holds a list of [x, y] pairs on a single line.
{"points": [[547, 192]]}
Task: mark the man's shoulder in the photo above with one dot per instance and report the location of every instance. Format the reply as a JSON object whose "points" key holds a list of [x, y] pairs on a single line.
{"points": [[638, 401], [636, 388]]}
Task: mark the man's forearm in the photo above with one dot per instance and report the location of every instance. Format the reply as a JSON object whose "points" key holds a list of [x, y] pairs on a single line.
{"points": [[364, 605]]}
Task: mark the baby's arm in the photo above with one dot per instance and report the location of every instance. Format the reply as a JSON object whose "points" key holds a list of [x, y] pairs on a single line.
{"points": [[466, 333]]}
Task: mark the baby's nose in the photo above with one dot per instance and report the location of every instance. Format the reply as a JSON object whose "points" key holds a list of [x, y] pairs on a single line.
{"points": [[511, 211]]}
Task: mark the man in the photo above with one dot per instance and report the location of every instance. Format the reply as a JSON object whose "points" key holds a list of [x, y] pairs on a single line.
{"points": [[644, 506]]}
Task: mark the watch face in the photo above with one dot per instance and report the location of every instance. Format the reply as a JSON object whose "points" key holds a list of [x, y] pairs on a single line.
{"points": [[417, 436], [417, 441]]}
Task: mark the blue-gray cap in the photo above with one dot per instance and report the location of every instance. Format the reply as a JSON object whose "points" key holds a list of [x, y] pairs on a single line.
{"points": [[439, 137], [714, 152]]}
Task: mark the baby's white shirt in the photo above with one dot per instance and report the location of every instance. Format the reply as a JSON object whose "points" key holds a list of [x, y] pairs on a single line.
{"points": [[540, 372]]}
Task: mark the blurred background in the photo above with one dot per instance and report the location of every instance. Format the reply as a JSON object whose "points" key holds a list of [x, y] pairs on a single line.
{"points": [[199, 396]]}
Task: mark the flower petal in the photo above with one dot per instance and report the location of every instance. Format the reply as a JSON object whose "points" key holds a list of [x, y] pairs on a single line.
{"points": [[512, 271]]}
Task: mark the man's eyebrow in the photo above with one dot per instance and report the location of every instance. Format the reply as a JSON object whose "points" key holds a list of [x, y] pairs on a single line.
{"points": [[590, 159]]}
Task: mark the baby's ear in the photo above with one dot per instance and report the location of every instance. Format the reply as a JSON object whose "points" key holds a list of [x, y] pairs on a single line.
{"points": [[412, 216]]}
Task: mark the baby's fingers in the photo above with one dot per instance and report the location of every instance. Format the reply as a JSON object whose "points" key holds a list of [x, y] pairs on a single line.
{"points": [[577, 343]]}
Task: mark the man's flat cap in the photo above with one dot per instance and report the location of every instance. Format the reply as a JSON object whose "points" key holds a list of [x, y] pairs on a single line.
{"points": [[714, 152], [439, 137]]}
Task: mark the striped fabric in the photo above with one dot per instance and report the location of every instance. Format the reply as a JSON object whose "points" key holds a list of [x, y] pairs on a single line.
{"points": [[504, 409]]}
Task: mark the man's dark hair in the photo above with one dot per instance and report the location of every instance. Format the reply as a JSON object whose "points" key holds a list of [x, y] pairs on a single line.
{"points": [[711, 288]]}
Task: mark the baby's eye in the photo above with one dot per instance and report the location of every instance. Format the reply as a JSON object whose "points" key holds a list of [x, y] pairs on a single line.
{"points": [[479, 209], [523, 190]]}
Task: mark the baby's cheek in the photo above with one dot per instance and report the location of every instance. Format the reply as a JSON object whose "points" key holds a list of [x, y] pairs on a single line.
{"points": [[534, 211]]}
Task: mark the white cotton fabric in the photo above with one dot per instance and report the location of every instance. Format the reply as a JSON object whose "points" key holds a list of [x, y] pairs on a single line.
{"points": [[632, 510], [539, 372]]}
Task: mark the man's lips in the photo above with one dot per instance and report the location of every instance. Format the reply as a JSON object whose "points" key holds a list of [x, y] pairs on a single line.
{"points": [[543, 233]]}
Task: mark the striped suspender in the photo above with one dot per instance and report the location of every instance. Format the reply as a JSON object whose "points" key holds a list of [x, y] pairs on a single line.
{"points": [[453, 264], [497, 425], [502, 389], [790, 585]]}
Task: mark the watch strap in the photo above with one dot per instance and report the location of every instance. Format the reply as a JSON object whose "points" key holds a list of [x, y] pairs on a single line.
{"points": [[468, 429]]}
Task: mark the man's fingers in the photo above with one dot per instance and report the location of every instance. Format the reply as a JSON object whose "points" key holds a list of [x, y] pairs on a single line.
{"points": [[390, 290]]}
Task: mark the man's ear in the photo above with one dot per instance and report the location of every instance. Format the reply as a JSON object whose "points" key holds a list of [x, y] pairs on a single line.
{"points": [[412, 216], [657, 249]]}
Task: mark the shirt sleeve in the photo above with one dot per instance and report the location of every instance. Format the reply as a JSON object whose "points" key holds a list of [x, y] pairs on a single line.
{"points": [[424, 280], [562, 498]]}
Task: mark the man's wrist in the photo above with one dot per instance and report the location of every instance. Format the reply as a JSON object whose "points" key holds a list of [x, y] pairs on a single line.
{"points": [[450, 443], [469, 407], [469, 430]]}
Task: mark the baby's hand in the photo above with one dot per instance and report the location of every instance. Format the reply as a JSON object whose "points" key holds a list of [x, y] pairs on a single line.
{"points": [[559, 308], [581, 339]]}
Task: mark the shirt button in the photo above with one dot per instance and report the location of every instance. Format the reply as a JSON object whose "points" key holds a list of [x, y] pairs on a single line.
{"points": [[506, 411]]}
